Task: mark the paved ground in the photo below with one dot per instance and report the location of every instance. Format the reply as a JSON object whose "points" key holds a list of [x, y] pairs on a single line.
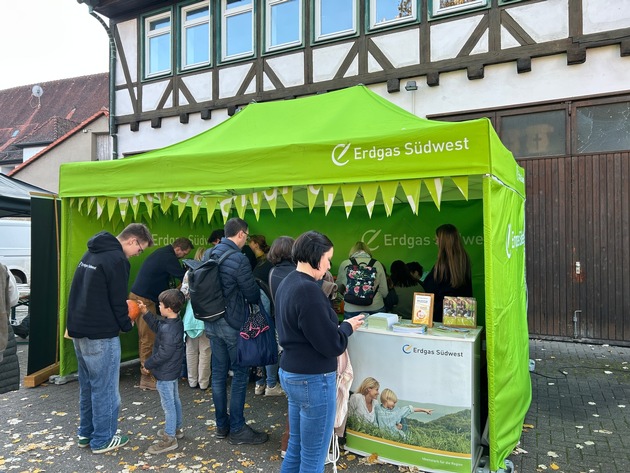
{"points": [[578, 422]]}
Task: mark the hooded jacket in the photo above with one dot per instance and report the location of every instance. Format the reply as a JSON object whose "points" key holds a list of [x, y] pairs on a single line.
{"points": [[165, 362], [97, 306]]}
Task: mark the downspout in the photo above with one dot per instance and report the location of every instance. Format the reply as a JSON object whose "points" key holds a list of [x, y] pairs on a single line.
{"points": [[112, 82]]}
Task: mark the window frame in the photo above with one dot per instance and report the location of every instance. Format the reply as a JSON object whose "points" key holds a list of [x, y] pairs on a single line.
{"points": [[234, 12], [371, 15], [593, 102], [146, 49], [184, 27], [267, 21], [436, 12], [317, 24]]}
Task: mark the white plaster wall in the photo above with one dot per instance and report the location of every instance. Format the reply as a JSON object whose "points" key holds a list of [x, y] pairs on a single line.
{"points": [[289, 69], [171, 131], [544, 21], [327, 60], [128, 32], [152, 94], [448, 38], [199, 85], [550, 79], [605, 15], [390, 45], [231, 78], [124, 105]]}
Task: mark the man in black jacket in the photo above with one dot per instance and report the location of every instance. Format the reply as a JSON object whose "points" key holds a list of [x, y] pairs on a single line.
{"points": [[153, 278], [97, 313], [239, 289]]}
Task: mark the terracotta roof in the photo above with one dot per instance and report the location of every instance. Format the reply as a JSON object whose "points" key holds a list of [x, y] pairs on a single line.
{"points": [[59, 140], [64, 104]]}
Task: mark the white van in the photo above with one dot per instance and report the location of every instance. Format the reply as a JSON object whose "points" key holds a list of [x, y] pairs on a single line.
{"points": [[15, 248]]}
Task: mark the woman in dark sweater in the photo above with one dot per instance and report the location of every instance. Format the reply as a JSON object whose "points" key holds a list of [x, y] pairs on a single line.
{"points": [[312, 339], [451, 274]]}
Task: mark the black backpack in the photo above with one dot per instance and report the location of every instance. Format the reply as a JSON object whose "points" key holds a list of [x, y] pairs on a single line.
{"points": [[206, 293], [360, 282]]}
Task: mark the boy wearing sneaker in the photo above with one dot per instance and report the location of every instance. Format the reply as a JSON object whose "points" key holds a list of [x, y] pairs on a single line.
{"points": [[165, 364]]}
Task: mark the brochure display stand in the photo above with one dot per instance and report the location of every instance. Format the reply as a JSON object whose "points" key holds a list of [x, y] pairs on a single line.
{"points": [[433, 421]]}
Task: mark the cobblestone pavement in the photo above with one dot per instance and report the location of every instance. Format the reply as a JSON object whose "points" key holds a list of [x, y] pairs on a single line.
{"points": [[578, 422]]}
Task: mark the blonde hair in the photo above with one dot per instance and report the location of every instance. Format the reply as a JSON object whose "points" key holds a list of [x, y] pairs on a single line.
{"points": [[368, 383], [388, 395], [359, 246], [199, 253]]}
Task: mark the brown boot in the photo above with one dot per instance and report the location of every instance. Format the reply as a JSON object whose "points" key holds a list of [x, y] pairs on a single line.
{"points": [[147, 382]]}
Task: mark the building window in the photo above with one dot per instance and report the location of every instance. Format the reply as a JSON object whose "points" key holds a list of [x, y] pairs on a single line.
{"points": [[334, 18], [157, 54], [391, 12], [603, 128], [237, 28], [445, 7], [195, 35], [531, 135], [283, 19]]}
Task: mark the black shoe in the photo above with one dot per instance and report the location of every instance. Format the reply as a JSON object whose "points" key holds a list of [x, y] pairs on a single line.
{"points": [[222, 433], [248, 436]]}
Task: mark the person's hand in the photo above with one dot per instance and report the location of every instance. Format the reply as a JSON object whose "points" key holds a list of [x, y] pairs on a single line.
{"points": [[426, 411], [143, 307], [356, 321], [143, 370]]}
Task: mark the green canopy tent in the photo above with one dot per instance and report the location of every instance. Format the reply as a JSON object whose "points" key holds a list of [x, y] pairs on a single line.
{"points": [[355, 166]]}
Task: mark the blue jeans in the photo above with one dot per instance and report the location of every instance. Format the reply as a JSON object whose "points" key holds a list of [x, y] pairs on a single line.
{"points": [[311, 417], [99, 395], [169, 397], [271, 378], [223, 339]]}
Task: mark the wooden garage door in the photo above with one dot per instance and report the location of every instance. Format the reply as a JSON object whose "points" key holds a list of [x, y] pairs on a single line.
{"points": [[578, 247]]}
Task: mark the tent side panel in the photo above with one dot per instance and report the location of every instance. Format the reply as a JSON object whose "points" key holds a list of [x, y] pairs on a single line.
{"points": [[509, 383]]}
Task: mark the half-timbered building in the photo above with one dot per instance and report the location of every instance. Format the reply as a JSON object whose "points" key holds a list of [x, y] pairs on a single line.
{"points": [[552, 75]]}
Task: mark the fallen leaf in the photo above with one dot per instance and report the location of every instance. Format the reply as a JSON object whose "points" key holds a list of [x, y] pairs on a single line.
{"points": [[542, 467], [589, 442], [552, 454], [621, 405], [608, 372], [579, 426], [591, 403], [554, 466], [577, 445], [528, 426]]}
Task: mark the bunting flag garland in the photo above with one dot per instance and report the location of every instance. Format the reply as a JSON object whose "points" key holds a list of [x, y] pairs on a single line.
{"points": [[462, 184], [412, 191], [411, 187], [312, 192], [435, 189], [369, 190], [349, 193]]}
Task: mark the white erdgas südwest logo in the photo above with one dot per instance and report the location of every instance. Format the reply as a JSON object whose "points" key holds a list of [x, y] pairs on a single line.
{"points": [[513, 240], [339, 152], [368, 238]]}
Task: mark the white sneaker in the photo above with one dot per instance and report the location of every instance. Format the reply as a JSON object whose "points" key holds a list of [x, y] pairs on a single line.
{"points": [[259, 390], [275, 391]]}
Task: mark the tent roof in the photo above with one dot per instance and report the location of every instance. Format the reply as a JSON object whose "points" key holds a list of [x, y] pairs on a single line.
{"points": [[15, 197], [342, 137]]}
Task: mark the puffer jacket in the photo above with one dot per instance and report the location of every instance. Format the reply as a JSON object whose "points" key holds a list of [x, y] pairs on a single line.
{"points": [[10, 366], [237, 281], [165, 362]]}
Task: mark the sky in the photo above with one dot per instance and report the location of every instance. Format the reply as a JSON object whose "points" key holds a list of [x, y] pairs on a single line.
{"points": [[44, 40]]}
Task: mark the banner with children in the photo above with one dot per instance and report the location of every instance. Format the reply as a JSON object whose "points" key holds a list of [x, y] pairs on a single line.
{"points": [[413, 400]]}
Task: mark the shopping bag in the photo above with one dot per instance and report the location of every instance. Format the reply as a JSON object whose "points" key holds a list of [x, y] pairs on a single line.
{"points": [[257, 344]]}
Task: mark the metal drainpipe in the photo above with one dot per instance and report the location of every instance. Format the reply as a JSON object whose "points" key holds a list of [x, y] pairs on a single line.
{"points": [[112, 82]]}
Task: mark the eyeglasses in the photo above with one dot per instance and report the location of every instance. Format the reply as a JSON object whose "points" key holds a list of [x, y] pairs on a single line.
{"points": [[246, 235], [139, 247]]}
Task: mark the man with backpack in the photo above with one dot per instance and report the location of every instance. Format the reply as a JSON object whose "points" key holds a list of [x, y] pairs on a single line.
{"points": [[239, 288], [363, 282]]}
